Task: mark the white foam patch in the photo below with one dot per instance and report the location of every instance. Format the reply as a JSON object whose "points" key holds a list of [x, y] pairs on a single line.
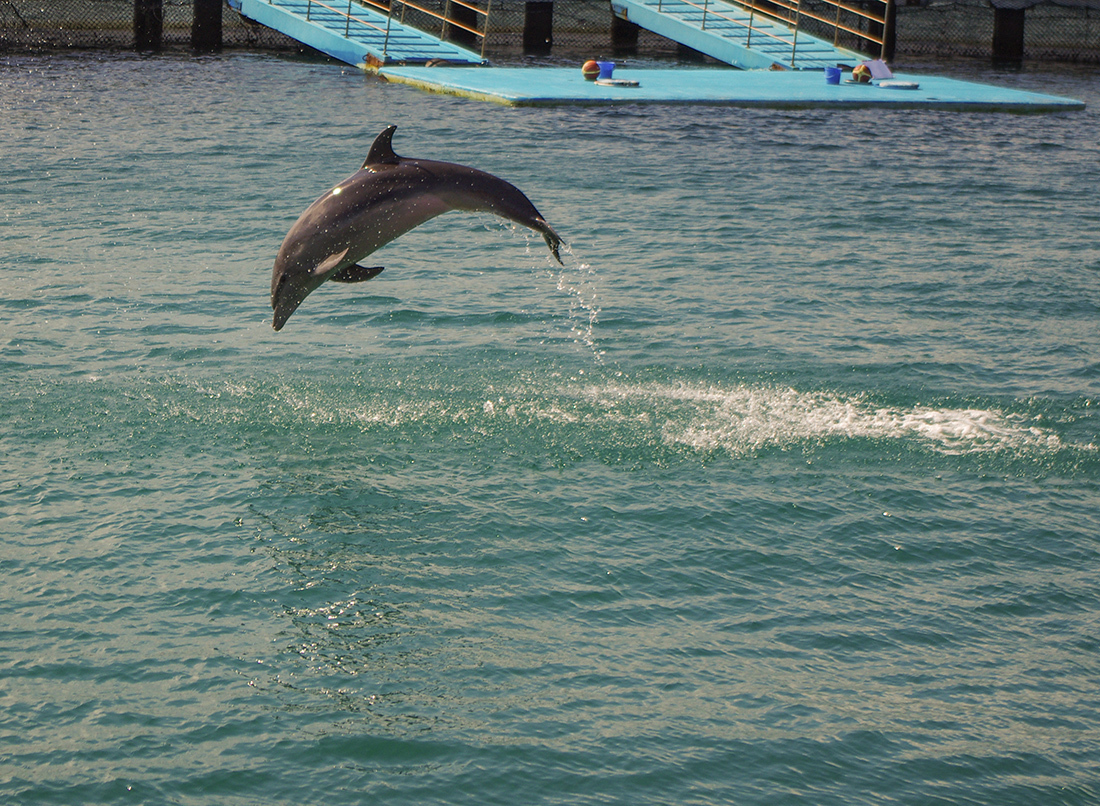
{"points": [[750, 417]]}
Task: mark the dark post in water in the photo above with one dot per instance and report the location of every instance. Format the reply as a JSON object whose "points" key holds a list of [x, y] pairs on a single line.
{"points": [[538, 27], [148, 24], [889, 32], [1008, 35], [624, 37], [206, 26]]}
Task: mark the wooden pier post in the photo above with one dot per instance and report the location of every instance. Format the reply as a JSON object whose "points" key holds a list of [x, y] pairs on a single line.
{"points": [[624, 37], [148, 24], [538, 27], [890, 32], [1008, 36], [206, 26]]}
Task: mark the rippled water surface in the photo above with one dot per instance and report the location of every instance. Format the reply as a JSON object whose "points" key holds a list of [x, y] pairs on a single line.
{"points": [[784, 489]]}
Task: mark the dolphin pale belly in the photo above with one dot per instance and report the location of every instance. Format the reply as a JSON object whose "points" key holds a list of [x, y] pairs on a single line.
{"points": [[383, 200]]}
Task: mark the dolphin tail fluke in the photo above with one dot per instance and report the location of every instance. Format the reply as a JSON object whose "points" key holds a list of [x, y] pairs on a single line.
{"points": [[356, 274], [553, 240]]}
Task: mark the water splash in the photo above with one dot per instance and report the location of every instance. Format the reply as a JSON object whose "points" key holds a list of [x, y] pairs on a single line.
{"points": [[573, 277], [578, 279]]}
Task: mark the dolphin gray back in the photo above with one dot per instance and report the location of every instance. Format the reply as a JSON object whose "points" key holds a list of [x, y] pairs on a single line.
{"points": [[464, 188]]}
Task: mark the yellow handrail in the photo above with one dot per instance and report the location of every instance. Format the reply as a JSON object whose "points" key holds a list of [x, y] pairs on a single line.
{"points": [[350, 19], [448, 20], [792, 13], [748, 26], [388, 11], [795, 10], [856, 12]]}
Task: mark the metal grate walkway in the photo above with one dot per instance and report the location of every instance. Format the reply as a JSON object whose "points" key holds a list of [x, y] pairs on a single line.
{"points": [[731, 34], [352, 33]]}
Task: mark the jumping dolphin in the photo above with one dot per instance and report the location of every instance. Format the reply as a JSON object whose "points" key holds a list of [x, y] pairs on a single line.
{"points": [[383, 200]]}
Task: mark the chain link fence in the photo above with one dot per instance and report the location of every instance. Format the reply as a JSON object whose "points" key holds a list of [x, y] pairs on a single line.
{"points": [[43, 25], [1066, 31], [1053, 31]]}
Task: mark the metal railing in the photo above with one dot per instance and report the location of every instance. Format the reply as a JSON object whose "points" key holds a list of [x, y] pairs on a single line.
{"points": [[446, 19], [867, 20], [348, 18], [792, 13], [748, 26]]}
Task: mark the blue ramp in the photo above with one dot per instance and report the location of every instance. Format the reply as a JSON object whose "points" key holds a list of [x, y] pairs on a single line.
{"points": [[352, 33], [731, 34]]}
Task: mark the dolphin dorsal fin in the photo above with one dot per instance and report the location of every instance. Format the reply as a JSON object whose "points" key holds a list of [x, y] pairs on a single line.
{"points": [[381, 153]]}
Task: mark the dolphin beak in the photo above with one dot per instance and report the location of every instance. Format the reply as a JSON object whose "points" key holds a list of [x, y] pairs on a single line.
{"points": [[284, 307], [284, 302], [280, 318]]}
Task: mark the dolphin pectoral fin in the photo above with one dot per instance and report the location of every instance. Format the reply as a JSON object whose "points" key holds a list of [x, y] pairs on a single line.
{"points": [[381, 152], [329, 263], [356, 274]]}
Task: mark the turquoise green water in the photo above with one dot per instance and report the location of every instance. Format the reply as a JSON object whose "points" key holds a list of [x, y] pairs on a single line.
{"points": [[784, 489]]}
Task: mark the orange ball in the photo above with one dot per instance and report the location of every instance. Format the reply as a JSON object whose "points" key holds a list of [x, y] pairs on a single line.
{"points": [[862, 73], [590, 70]]}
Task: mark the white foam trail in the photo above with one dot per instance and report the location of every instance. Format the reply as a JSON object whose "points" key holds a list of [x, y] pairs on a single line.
{"points": [[706, 418], [750, 417]]}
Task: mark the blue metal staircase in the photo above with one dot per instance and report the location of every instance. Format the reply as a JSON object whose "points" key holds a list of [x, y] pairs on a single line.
{"points": [[353, 33], [730, 33]]}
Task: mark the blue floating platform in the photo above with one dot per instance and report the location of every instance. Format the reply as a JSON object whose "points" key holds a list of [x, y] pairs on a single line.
{"points": [[803, 89]]}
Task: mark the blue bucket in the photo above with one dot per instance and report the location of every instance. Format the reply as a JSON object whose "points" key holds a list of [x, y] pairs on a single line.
{"points": [[832, 75], [606, 69]]}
